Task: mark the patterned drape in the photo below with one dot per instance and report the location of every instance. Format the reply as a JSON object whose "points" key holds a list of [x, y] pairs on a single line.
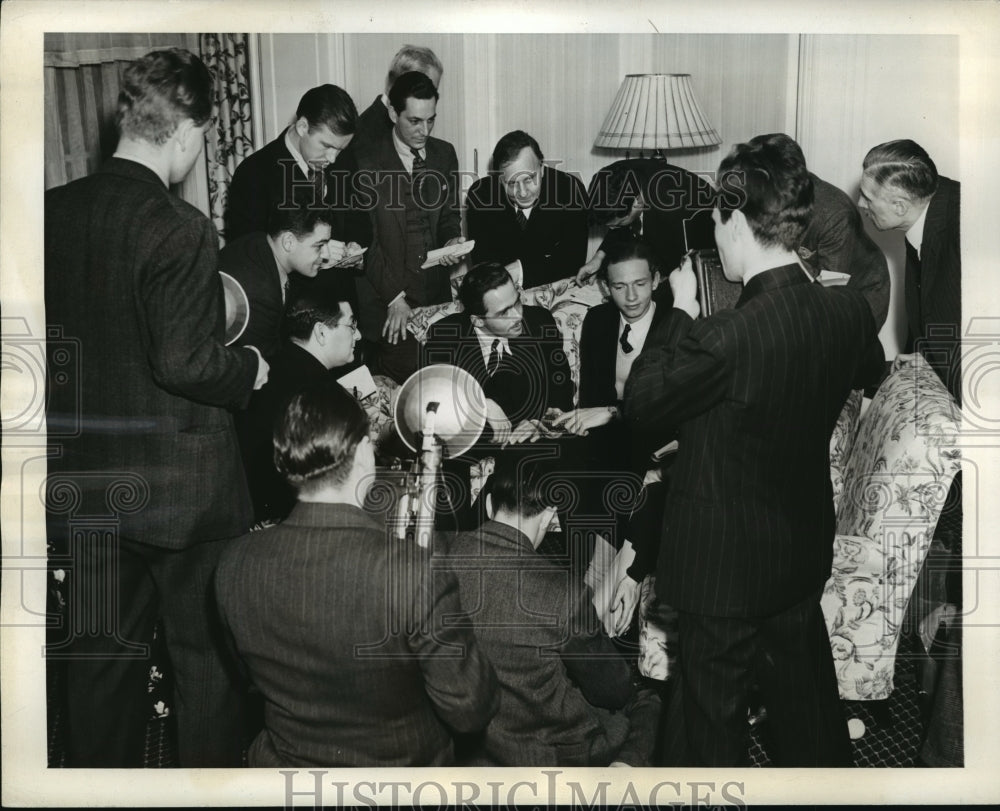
{"points": [[231, 138]]}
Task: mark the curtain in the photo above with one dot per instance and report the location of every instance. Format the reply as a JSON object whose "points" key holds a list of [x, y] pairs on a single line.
{"points": [[82, 74], [230, 139]]}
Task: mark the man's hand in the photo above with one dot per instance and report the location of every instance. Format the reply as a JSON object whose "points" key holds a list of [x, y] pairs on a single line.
{"points": [[452, 260], [581, 420], [397, 315], [585, 275], [262, 369], [623, 604], [497, 420], [902, 360], [527, 431], [684, 286], [335, 251]]}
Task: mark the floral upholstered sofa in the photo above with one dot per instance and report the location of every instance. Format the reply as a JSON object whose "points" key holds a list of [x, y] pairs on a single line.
{"points": [[895, 479]]}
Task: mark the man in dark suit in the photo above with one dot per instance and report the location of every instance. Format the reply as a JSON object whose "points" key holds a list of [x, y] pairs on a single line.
{"points": [[321, 337], [374, 123], [515, 352], [575, 708], [293, 164], [527, 212], [612, 337], [645, 197], [142, 431], [749, 520], [406, 190], [902, 191], [835, 238], [264, 263], [341, 626]]}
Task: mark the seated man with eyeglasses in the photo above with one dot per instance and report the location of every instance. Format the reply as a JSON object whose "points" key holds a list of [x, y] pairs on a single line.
{"points": [[528, 212]]}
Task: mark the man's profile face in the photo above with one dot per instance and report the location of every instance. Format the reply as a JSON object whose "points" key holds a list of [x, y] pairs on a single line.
{"points": [[522, 177], [504, 312], [415, 124], [306, 254], [631, 285], [319, 145], [343, 337], [878, 204]]}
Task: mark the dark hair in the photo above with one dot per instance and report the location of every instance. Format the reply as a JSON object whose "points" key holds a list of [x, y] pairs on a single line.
{"points": [[903, 164], [412, 58], [478, 282], [612, 192], [775, 196], [523, 484], [315, 437], [510, 146], [301, 218], [411, 85], [625, 249], [160, 90], [329, 105], [785, 146], [306, 312]]}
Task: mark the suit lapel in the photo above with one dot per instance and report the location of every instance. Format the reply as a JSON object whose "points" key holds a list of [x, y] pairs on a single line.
{"points": [[389, 158]]}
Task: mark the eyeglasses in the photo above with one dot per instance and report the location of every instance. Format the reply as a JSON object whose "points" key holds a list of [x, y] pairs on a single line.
{"points": [[352, 325]]}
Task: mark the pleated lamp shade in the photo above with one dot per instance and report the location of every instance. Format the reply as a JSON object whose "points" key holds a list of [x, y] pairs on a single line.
{"points": [[656, 111]]}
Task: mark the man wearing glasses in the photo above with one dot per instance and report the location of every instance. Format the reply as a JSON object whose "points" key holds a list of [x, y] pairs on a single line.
{"points": [[528, 212]]}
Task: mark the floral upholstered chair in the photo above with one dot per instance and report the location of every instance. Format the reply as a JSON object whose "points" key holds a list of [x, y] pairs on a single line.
{"points": [[658, 645], [895, 481]]}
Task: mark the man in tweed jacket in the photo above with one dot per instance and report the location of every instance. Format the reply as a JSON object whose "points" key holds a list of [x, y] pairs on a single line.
{"points": [[130, 274]]}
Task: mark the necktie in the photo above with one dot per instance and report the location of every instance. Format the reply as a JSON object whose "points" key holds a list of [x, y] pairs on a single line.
{"points": [[626, 346], [494, 363], [522, 219], [417, 175]]}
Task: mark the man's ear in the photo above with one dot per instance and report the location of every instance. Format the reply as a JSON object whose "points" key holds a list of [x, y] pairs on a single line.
{"points": [[182, 132], [393, 115], [656, 279], [489, 506], [287, 239], [477, 321], [739, 222], [302, 126], [319, 332]]}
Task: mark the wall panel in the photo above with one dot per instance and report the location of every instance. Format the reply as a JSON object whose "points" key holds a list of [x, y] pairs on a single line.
{"points": [[859, 91]]}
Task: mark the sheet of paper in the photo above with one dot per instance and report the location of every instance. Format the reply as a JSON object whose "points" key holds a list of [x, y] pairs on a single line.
{"points": [[458, 249], [358, 382]]}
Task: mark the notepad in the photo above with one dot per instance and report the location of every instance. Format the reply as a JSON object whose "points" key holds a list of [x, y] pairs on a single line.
{"points": [[359, 383], [458, 249]]}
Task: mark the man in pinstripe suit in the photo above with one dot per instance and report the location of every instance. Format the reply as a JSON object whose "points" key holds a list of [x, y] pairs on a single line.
{"points": [[341, 625], [749, 523]]}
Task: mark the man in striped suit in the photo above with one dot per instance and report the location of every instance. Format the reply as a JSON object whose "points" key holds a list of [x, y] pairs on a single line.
{"points": [[749, 522]]}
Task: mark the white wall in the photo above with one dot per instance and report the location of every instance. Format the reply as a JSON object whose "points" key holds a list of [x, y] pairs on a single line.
{"points": [[838, 95], [858, 91]]}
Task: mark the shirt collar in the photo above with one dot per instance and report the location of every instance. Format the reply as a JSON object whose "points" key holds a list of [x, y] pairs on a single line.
{"points": [[306, 169], [140, 161], [405, 155], [915, 233], [486, 340]]}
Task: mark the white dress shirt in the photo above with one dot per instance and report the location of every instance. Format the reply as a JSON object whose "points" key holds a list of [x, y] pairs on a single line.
{"points": [[637, 339], [915, 233]]}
